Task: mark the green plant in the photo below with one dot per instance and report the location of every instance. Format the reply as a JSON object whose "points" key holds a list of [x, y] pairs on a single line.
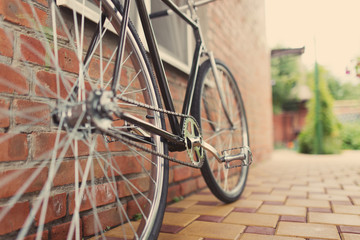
{"points": [[350, 134], [137, 216], [330, 126], [285, 74], [178, 199]]}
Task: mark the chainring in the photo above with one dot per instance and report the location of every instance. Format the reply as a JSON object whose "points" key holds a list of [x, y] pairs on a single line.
{"points": [[192, 135]]}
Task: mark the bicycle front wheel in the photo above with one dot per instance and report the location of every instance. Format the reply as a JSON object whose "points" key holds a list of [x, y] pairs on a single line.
{"points": [[61, 177], [223, 126]]}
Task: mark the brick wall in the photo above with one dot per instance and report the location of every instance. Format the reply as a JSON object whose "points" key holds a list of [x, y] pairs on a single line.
{"points": [[235, 32]]}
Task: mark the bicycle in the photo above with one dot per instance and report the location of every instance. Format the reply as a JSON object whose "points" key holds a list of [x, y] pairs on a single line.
{"points": [[83, 139]]}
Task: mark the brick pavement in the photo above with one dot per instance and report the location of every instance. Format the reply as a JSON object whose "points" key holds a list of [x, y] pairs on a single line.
{"points": [[291, 197]]}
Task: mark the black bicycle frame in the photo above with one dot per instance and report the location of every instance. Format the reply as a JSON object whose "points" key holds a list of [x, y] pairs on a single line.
{"points": [[159, 67]]}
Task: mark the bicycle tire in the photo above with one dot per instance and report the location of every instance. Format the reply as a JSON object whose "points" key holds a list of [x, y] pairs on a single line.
{"points": [[226, 184], [72, 182]]}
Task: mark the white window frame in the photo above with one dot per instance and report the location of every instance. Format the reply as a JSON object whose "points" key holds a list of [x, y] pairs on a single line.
{"points": [[165, 56]]}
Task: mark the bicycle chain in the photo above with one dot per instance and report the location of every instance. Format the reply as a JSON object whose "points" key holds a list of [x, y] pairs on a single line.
{"points": [[146, 106]]}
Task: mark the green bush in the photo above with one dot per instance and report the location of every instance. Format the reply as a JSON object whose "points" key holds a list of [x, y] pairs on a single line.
{"points": [[350, 134], [330, 127]]}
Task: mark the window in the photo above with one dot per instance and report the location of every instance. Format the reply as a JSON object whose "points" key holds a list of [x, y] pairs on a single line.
{"points": [[173, 35]]}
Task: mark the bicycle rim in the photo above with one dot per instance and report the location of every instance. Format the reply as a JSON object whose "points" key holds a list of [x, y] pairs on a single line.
{"points": [[73, 182], [226, 184]]}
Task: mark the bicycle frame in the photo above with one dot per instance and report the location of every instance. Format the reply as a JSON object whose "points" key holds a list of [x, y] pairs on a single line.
{"points": [[175, 136]]}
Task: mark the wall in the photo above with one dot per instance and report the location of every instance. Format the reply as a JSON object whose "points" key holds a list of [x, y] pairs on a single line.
{"points": [[235, 32]]}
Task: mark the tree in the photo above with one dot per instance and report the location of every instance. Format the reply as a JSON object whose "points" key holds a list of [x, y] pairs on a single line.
{"points": [[285, 73], [330, 127], [342, 91]]}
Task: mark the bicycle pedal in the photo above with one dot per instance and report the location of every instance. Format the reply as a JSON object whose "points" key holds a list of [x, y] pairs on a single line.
{"points": [[242, 154]]}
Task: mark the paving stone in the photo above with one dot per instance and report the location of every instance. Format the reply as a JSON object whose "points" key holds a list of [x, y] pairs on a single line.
{"points": [[347, 202], [179, 219], [349, 229], [308, 203], [266, 197], [208, 218], [251, 236], [323, 210], [208, 203], [213, 230], [246, 210], [261, 189], [308, 230], [184, 203], [242, 203], [328, 197], [308, 189], [350, 236], [283, 210], [174, 210], [292, 218], [209, 210], [346, 209], [273, 203], [124, 231], [168, 236], [334, 218], [203, 197], [260, 230], [290, 193], [343, 192], [252, 219], [170, 228], [356, 201]]}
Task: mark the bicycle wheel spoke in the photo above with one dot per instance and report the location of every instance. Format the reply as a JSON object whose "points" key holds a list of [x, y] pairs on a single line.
{"points": [[56, 168]]}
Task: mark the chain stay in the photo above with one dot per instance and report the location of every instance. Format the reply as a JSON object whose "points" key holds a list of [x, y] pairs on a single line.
{"points": [[146, 106]]}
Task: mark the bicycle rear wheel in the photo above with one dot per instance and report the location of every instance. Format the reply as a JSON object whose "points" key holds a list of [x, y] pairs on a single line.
{"points": [[226, 184], [71, 181]]}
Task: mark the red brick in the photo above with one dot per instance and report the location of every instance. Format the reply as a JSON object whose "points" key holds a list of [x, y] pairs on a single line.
{"points": [[124, 165], [103, 193], [44, 236], [43, 2], [187, 187], [6, 43], [181, 173], [60, 232], [200, 182], [15, 218], [4, 118], [68, 60], [44, 142], [19, 12], [32, 50], [14, 148], [12, 81], [29, 112], [56, 208], [94, 70], [18, 178], [133, 207], [108, 218], [66, 171], [173, 191], [196, 172], [46, 85]]}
